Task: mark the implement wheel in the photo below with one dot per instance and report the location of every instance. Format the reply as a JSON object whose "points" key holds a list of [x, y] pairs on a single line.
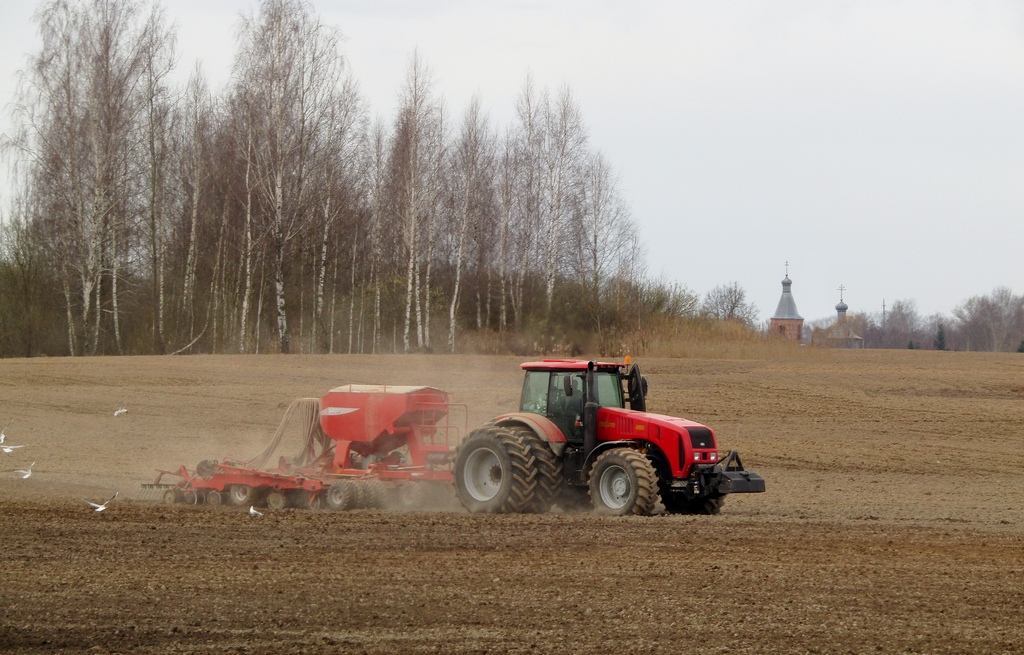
{"points": [[170, 497], [373, 494], [314, 501], [277, 500], [214, 498], [494, 471], [241, 494], [340, 495], [623, 481]]}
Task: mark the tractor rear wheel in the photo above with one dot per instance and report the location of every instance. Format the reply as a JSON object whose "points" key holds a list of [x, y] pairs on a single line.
{"points": [[494, 471], [547, 471], [623, 481]]}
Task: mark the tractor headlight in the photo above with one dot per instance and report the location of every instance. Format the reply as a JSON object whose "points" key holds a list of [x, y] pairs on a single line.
{"points": [[696, 457], [714, 456]]}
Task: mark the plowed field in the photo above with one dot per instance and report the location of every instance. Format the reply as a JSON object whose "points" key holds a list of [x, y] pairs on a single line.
{"points": [[893, 521]]}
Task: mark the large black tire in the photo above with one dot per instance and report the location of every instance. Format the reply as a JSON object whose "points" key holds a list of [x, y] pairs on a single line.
{"points": [[548, 469], [623, 481], [495, 472]]}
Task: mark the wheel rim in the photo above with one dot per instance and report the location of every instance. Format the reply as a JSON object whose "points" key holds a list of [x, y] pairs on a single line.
{"points": [[240, 494], [615, 487], [483, 474], [337, 496]]}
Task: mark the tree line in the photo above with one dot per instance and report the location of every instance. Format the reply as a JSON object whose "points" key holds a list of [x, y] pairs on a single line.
{"points": [[991, 322], [276, 215]]}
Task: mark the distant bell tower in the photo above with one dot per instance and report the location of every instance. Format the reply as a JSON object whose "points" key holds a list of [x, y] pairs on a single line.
{"points": [[787, 322]]}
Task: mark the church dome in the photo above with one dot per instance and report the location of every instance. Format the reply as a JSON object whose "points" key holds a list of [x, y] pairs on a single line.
{"points": [[787, 305]]}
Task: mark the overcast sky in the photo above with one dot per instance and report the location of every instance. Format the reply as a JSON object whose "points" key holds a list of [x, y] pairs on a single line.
{"points": [[877, 145]]}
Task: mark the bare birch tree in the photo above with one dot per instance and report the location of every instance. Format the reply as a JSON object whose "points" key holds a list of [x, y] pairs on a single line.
{"points": [[197, 134], [414, 155], [79, 111], [602, 234], [472, 171], [159, 55], [565, 139], [295, 59]]}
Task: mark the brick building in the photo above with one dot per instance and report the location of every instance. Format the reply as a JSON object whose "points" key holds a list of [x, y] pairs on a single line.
{"points": [[787, 322]]}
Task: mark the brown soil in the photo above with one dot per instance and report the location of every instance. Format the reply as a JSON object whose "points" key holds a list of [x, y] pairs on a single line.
{"points": [[893, 521]]}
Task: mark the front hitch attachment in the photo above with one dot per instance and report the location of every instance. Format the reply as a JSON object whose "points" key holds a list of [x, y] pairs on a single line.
{"points": [[732, 478]]}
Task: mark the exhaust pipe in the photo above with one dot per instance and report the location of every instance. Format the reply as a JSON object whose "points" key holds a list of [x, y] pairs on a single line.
{"points": [[590, 414]]}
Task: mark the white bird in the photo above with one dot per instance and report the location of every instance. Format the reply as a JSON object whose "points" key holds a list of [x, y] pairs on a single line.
{"points": [[254, 512], [2, 435], [120, 410], [10, 449], [26, 472], [100, 508]]}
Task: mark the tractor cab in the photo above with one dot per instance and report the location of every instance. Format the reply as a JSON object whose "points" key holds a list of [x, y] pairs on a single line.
{"points": [[558, 390]]}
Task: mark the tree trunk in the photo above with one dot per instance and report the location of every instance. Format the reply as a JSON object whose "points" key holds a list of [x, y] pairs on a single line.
{"points": [[352, 299], [322, 273], [247, 249]]}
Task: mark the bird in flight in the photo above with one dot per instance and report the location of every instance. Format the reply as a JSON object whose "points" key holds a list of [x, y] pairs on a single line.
{"points": [[100, 508], [26, 473], [254, 512], [10, 449], [2, 432], [120, 410]]}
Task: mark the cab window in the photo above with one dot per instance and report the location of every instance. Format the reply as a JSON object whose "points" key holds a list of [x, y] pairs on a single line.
{"points": [[535, 392], [609, 390]]}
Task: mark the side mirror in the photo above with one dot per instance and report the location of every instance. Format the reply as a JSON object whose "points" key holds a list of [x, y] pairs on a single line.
{"points": [[567, 386]]}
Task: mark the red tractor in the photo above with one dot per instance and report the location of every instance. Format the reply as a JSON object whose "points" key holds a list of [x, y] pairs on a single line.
{"points": [[574, 442]]}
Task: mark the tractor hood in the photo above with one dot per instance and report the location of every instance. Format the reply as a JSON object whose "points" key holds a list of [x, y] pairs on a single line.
{"points": [[683, 442]]}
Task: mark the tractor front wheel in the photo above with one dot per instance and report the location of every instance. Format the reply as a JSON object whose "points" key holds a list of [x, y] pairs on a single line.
{"points": [[494, 472], [623, 481]]}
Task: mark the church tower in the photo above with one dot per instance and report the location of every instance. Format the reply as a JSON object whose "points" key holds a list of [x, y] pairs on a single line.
{"points": [[787, 322]]}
